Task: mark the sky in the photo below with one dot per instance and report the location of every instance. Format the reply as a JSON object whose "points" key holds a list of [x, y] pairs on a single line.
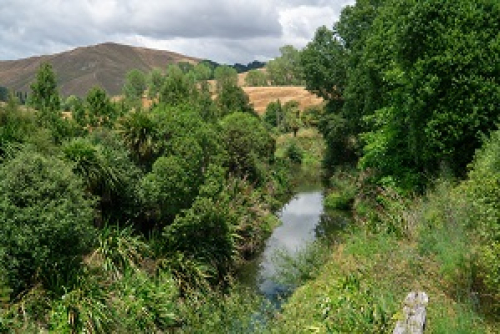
{"points": [[226, 31]]}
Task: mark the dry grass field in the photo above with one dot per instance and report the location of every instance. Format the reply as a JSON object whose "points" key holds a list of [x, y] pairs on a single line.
{"points": [[260, 97]]}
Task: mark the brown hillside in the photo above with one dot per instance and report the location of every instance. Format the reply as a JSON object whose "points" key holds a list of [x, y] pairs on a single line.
{"points": [[80, 69], [262, 96]]}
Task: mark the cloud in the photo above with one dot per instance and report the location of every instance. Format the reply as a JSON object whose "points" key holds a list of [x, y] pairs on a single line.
{"points": [[222, 30]]}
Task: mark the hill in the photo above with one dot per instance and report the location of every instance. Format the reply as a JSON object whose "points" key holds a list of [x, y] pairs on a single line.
{"points": [[260, 97], [80, 69]]}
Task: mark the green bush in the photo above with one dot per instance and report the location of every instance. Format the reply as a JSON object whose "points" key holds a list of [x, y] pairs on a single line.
{"points": [[249, 145], [46, 219], [482, 192], [294, 153]]}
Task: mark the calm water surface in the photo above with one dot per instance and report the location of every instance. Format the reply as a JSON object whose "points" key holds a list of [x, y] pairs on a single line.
{"points": [[300, 219]]}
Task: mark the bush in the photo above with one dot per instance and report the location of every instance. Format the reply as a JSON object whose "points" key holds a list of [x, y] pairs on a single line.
{"points": [[46, 219], [294, 153], [249, 145]]}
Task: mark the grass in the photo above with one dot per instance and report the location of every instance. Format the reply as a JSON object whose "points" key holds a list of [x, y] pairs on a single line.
{"points": [[310, 141], [366, 276]]}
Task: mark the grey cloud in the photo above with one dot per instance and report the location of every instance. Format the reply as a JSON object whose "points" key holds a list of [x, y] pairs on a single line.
{"points": [[223, 30]]}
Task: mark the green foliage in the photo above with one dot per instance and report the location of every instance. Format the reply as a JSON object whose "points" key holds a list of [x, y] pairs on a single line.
{"points": [[15, 126], [439, 94], [101, 111], [324, 61], [44, 95], [294, 269], [47, 220], [294, 153], [139, 132], [4, 94], [155, 81], [205, 233], [202, 72], [178, 87], [225, 76], [135, 85], [285, 70], [107, 172], [248, 144], [256, 78], [172, 185], [357, 309], [215, 312], [483, 193], [232, 98], [273, 114]]}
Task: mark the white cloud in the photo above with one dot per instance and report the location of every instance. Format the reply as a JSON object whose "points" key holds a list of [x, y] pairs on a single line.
{"points": [[222, 30]]}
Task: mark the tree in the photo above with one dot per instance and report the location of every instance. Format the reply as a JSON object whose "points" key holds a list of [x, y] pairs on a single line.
{"points": [[202, 72], [274, 114], [324, 60], [100, 109], [135, 85], [46, 220], [140, 134], [285, 69], [44, 94], [256, 78], [154, 83], [225, 76], [177, 88], [232, 98], [292, 121], [4, 94], [440, 88], [249, 145]]}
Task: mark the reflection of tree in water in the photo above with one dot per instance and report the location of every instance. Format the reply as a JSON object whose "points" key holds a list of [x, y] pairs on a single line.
{"points": [[330, 223]]}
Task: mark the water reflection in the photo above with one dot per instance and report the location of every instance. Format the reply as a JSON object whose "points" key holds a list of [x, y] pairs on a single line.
{"points": [[299, 219]]}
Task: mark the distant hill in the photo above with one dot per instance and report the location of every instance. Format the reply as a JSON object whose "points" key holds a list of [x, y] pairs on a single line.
{"points": [[80, 69]]}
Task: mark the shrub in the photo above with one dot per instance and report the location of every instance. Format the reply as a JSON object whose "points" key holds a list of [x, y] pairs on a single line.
{"points": [[294, 153], [46, 219]]}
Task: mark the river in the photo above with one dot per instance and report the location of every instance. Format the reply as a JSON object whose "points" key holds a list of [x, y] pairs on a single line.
{"points": [[302, 221]]}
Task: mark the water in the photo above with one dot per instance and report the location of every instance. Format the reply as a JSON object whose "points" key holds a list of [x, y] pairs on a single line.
{"points": [[300, 225]]}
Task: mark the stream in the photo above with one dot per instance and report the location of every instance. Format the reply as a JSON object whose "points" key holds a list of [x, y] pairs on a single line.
{"points": [[302, 222]]}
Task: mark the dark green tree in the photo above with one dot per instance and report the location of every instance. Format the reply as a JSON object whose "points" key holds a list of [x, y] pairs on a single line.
{"points": [[4, 94], [249, 145], [232, 98], [101, 111], [46, 220], [441, 86], [274, 114], [44, 94]]}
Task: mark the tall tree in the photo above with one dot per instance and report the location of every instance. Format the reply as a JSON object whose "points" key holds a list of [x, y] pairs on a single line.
{"points": [[154, 83], [135, 85], [256, 78], [441, 85], [100, 109], [44, 94], [225, 76], [286, 69]]}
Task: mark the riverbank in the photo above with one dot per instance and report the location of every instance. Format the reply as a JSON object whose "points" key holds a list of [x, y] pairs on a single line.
{"points": [[367, 274]]}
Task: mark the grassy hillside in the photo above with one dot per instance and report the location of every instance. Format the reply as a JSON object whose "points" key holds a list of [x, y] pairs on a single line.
{"points": [[80, 69]]}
